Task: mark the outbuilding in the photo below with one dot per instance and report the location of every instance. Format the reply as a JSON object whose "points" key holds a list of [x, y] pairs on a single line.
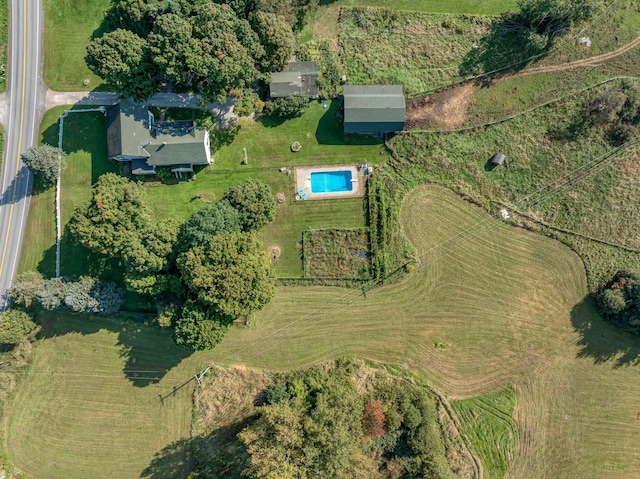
{"points": [[498, 159], [373, 109], [296, 79]]}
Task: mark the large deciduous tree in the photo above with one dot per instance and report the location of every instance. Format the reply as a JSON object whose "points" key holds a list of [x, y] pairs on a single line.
{"points": [[114, 216], [255, 203], [276, 37], [199, 329], [123, 59], [46, 162], [552, 18], [215, 219], [230, 274]]}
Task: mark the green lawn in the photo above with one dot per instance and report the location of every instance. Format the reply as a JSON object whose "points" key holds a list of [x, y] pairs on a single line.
{"points": [[488, 423], [69, 25], [268, 150], [89, 404], [85, 144]]}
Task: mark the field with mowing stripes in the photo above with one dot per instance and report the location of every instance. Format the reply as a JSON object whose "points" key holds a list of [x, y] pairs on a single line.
{"points": [[488, 423], [488, 307], [86, 409]]}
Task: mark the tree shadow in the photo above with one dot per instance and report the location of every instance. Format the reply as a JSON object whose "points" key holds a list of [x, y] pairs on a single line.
{"points": [[502, 50], [330, 129], [489, 165], [172, 462], [219, 454], [269, 121], [18, 188], [600, 340], [148, 352]]}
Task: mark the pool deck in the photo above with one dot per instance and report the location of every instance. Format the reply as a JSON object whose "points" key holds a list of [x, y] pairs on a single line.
{"points": [[302, 176]]}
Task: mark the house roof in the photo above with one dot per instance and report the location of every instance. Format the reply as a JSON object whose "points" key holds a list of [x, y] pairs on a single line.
{"points": [[132, 132], [296, 79], [373, 108]]}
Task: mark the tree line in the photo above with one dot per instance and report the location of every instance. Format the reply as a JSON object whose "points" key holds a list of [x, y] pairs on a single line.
{"points": [[209, 47], [207, 272]]}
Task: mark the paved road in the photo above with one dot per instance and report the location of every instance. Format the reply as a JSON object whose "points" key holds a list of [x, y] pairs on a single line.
{"points": [[24, 102]]}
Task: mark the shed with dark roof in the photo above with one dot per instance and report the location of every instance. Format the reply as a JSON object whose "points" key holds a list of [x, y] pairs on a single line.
{"points": [[296, 79], [373, 109]]}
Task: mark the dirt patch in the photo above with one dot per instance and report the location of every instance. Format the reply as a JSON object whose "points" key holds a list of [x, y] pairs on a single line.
{"points": [[274, 251], [445, 109]]}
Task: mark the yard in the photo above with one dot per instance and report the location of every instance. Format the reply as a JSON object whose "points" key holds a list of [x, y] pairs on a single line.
{"points": [[69, 26], [268, 150]]}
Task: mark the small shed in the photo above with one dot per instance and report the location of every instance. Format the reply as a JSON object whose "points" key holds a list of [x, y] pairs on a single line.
{"points": [[498, 159]]}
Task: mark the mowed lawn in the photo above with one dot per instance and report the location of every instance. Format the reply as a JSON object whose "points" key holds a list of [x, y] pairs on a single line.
{"points": [[69, 26], [477, 7], [488, 307], [86, 410], [84, 142]]}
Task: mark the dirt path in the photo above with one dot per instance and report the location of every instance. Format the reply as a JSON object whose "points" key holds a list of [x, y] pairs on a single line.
{"points": [[447, 109], [585, 62]]}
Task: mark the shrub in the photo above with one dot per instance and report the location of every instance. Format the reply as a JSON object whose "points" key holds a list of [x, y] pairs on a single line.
{"points": [[46, 162], [163, 174], [247, 102], [289, 107], [373, 420], [25, 287], [14, 326], [86, 295]]}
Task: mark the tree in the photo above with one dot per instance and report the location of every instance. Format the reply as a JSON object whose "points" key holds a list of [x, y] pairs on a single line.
{"points": [[122, 58], [288, 107], [14, 326], [276, 37], [619, 301], [112, 219], [373, 419], [198, 329], [606, 107], [169, 45], [553, 18], [230, 273], [46, 162], [254, 202], [214, 219], [148, 257], [275, 443]]}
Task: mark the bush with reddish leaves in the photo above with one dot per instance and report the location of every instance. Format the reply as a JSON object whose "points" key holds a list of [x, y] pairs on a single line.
{"points": [[373, 419]]}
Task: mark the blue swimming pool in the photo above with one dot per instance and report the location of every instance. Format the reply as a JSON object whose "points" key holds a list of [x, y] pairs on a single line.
{"points": [[331, 181]]}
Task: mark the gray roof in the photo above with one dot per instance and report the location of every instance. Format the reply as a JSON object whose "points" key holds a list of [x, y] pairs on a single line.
{"points": [[132, 132], [296, 79], [498, 159], [373, 108]]}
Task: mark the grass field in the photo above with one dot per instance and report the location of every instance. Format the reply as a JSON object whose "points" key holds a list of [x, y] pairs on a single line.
{"points": [[85, 409], [506, 304], [488, 423], [543, 146], [475, 7], [413, 49], [69, 26]]}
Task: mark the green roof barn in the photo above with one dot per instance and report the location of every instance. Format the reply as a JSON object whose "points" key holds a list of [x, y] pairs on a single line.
{"points": [[373, 109], [296, 79], [134, 135]]}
